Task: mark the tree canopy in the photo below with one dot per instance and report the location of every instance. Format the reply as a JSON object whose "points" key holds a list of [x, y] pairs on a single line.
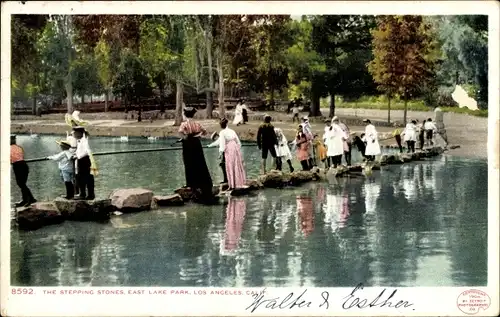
{"points": [[272, 56]]}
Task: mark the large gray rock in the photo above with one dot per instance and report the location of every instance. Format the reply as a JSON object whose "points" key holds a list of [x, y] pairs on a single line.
{"points": [[38, 215], [131, 199], [168, 200], [300, 177], [84, 210], [274, 179]]}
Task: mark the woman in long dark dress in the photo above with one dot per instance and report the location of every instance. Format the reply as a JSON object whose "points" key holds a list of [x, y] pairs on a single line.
{"points": [[195, 167]]}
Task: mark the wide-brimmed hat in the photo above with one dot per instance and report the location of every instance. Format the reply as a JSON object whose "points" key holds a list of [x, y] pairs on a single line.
{"points": [[335, 118], [78, 128], [366, 120], [63, 142], [305, 118], [214, 136], [74, 119], [327, 121]]}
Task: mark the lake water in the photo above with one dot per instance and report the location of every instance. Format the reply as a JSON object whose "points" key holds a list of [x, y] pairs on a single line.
{"points": [[418, 224]]}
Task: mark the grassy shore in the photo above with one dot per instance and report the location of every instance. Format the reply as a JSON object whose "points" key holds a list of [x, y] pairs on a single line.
{"points": [[413, 105]]}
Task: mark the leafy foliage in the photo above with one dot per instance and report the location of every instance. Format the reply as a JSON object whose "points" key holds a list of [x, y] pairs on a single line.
{"points": [[404, 55]]}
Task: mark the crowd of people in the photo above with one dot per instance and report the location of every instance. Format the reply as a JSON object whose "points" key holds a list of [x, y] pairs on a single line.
{"points": [[78, 168]]}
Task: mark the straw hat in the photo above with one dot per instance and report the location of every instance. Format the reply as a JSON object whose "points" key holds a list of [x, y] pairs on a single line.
{"points": [[214, 136], [74, 119], [64, 142]]}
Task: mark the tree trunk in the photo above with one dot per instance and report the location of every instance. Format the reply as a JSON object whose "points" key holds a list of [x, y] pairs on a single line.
{"points": [[83, 99], [106, 100], [332, 105], [315, 105], [69, 93], [91, 99], [210, 99], [162, 99], [389, 109], [406, 110], [178, 103], [220, 72], [33, 109]]}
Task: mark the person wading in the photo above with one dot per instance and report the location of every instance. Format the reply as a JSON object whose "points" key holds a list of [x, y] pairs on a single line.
{"points": [[195, 167], [21, 171], [66, 167], [372, 145], [410, 135], [84, 179], [230, 148], [266, 141]]}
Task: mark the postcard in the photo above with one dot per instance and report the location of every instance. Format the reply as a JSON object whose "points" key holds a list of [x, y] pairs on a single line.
{"points": [[238, 158]]}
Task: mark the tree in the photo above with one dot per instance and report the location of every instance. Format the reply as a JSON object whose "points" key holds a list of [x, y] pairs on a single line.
{"points": [[307, 67], [344, 43], [57, 50], [132, 82], [272, 36], [25, 58], [464, 45], [404, 56], [104, 63], [85, 76]]}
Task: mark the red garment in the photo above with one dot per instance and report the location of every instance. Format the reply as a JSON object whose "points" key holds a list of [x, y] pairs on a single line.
{"points": [[16, 153], [191, 127]]}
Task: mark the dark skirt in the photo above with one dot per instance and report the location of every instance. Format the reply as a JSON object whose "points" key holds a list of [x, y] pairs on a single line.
{"points": [[195, 168]]}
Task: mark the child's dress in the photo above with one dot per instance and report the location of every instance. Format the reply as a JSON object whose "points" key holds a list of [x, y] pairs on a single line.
{"points": [[320, 150]]}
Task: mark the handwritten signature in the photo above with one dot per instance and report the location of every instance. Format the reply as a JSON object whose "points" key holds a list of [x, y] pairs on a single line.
{"points": [[353, 300]]}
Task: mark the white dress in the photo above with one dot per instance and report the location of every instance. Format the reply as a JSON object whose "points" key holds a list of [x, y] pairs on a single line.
{"points": [[282, 149], [334, 141], [410, 132], [372, 145], [238, 114]]}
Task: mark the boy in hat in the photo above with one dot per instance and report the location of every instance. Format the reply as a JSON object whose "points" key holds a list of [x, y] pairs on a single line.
{"points": [[21, 171], [84, 179], [66, 166]]}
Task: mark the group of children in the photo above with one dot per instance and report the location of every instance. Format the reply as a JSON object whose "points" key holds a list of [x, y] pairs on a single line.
{"points": [[75, 161], [310, 149], [424, 132], [76, 165]]}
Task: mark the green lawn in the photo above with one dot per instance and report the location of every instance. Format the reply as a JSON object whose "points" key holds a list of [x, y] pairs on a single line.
{"points": [[414, 105]]}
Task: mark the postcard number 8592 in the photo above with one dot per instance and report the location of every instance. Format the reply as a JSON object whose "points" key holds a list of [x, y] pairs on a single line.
{"points": [[22, 291]]}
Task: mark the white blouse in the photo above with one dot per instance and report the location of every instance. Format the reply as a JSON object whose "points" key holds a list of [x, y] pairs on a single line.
{"points": [[82, 148], [225, 136]]}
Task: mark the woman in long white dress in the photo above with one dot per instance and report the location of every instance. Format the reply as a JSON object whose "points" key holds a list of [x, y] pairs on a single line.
{"points": [[282, 150], [410, 135], [372, 145], [334, 141], [238, 114]]}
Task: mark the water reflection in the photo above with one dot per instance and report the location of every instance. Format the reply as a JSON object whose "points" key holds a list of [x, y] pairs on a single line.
{"points": [[306, 215], [421, 224], [235, 215]]}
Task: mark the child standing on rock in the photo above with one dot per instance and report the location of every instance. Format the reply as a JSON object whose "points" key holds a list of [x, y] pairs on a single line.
{"points": [[66, 166], [85, 180]]}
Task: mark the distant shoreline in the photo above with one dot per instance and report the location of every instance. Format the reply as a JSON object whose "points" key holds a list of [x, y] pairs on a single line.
{"points": [[470, 132]]}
